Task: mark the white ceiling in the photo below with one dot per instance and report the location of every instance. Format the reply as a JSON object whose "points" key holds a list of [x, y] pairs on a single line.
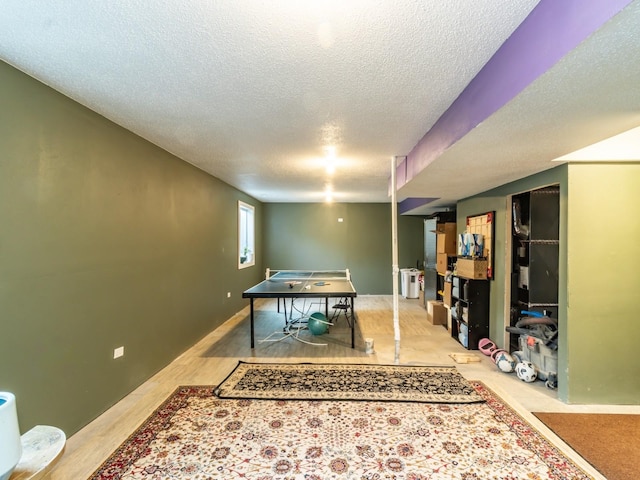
{"points": [[623, 147], [253, 92]]}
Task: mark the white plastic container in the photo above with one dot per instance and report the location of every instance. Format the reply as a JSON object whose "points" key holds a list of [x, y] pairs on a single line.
{"points": [[10, 444], [536, 352], [410, 285]]}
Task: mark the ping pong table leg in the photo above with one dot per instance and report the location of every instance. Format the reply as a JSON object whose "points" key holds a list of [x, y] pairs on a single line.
{"points": [[353, 325], [252, 341]]}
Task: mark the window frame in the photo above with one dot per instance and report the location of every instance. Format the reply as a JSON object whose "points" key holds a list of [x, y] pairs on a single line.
{"points": [[246, 235]]}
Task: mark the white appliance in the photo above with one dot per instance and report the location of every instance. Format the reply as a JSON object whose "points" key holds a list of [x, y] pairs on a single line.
{"points": [[11, 449]]}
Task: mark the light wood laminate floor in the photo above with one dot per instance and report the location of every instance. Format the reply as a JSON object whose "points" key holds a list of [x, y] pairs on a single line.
{"points": [[212, 359]]}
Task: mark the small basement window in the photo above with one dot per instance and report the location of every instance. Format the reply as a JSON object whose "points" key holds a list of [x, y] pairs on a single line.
{"points": [[246, 235]]}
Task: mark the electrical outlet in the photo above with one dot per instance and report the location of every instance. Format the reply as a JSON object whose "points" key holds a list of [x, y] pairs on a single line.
{"points": [[228, 294], [118, 352]]}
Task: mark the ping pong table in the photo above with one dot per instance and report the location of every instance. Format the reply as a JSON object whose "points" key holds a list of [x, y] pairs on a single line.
{"points": [[304, 284]]}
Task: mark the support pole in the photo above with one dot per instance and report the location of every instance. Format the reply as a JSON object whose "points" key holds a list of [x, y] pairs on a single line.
{"points": [[394, 247]]}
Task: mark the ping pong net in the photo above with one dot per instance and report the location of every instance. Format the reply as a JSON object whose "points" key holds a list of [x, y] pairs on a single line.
{"points": [[307, 275]]}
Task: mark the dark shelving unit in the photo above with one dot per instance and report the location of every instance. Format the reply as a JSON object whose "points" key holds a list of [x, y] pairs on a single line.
{"points": [[536, 234], [470, 310]]}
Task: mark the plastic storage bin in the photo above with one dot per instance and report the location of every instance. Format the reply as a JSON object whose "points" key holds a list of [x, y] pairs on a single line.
{"points": [[535, 351], [463, 334], [410, 286]]}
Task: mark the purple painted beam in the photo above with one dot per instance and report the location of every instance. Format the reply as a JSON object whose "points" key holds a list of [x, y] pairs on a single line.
{"points": [[552, 29], [411, 203]]}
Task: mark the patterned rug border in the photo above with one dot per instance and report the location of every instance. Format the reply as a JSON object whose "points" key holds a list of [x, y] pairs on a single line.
{"points": [[561, 466], [464, 392], [516, 421], [139, 441]]}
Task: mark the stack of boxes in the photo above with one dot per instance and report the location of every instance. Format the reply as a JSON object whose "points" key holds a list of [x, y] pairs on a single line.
{"points": [[438, 311], [446, 244]]}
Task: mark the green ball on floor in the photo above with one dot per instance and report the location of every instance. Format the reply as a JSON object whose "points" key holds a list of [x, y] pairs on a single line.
{"points": [[318, 323]]}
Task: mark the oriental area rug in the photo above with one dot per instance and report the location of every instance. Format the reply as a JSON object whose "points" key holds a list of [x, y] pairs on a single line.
{"points": [[307, 381], [195, 434]]}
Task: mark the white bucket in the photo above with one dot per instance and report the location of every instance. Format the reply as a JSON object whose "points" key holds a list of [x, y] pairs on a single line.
{"points": [[11, 449], [368, 345]]}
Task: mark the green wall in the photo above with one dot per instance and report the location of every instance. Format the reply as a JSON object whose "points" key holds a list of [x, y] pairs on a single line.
{"points": [[604, 283], [497, 200], [105, 241], [109, 241], [308, 235], [598, 276]]}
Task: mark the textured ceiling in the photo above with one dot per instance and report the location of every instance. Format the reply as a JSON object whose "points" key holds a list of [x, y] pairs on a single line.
{"points": [[253, 92], [592, 94]]}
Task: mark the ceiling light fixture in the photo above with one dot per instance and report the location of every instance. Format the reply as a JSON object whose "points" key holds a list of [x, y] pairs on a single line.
{"points": [[330, 166], [328, 194], [329, 151], [330, 159]]}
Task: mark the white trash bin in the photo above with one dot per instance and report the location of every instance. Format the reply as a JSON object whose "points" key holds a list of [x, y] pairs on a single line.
{"points": [[404, 281], [410, 284]]}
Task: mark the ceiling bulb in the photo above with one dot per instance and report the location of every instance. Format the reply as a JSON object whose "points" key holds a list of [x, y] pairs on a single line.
{"points": [[330, 151], [328, 193], [331, 168], [330, 158]]}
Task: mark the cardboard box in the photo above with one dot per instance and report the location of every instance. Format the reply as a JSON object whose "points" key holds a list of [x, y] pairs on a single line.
{"points": [[474, 268], [449, 227], [442, 261], [446, 294], [446, 243], [436, 313]]}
